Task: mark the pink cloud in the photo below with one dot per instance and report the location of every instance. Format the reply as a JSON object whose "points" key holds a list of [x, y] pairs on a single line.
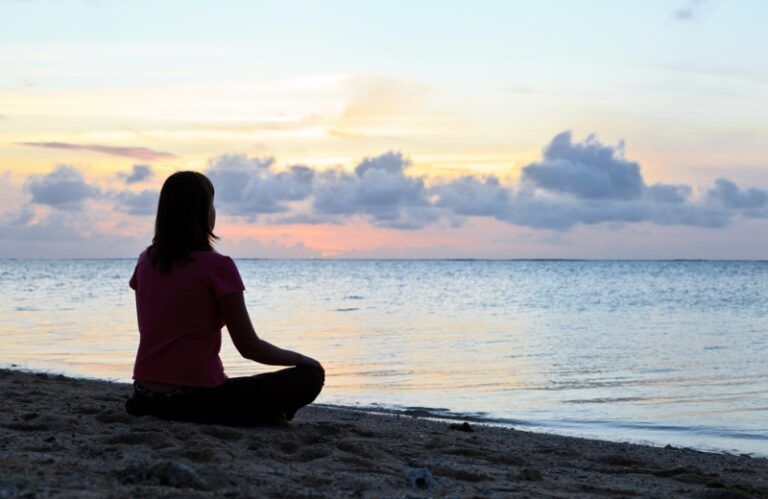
{"points": [[130, 152]]}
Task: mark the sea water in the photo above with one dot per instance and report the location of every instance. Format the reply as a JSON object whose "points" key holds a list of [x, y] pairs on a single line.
{"points": [[662, 352]]}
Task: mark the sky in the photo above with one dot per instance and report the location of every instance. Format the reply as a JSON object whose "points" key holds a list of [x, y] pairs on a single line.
{"points": [[397, 129]]}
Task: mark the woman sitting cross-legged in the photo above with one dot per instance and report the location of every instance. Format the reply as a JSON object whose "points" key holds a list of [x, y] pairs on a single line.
{"points": [[185, 293]]}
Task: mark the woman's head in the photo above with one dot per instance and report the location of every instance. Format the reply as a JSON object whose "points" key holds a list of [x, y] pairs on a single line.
{"points": [[185, 219]]}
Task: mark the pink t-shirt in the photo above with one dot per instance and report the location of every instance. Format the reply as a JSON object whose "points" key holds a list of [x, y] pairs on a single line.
{"points": [[180, 321]]}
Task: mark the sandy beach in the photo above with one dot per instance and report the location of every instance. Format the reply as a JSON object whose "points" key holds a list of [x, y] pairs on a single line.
{"points": [[61, 436]]}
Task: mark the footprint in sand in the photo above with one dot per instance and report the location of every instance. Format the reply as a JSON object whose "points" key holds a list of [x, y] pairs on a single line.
{"points": [[357, 450], [111, 418], [27, 426], [108, 398], [88, 410], [288, 446], [619, 460], [307, 454], [332, 428], [129, 439], [465, 452], [315, 481], [485, 455], [361, 463], [200, 454], [505, 459], [222, 433], [362, 433], [43, 448], [460, 474], [161, 442], [314, 438]]}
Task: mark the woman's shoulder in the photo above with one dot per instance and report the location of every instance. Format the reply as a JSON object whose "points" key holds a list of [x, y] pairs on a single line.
{"points": [[221, 271], [143, 256], [214, 261], [211, 256]]}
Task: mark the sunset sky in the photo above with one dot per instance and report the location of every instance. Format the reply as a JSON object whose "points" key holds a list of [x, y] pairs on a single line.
{"points": [[426, 129]]}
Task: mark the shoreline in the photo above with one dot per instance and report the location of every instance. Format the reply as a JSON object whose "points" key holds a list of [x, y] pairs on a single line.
{"points": [[447, 416], [438, 414], [71, 436]]}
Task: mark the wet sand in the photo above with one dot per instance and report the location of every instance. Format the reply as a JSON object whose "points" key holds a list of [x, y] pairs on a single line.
{"points": [[61, 436]]}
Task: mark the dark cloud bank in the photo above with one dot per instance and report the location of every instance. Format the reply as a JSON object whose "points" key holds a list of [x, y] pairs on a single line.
{"points": [[574, 183], [65, 187]]}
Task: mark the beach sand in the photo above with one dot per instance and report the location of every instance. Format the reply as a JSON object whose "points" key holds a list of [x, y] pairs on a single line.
{"points": [[61, 436]]}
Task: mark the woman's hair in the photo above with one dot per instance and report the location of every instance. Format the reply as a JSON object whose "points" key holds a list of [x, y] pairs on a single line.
{"points": [[181, 225]]}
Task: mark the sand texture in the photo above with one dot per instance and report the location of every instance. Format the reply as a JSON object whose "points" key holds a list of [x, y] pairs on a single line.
{"points": [[70, 437]]}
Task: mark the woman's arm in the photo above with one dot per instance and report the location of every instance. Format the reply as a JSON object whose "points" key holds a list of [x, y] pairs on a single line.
{"points": [[248, 343]]}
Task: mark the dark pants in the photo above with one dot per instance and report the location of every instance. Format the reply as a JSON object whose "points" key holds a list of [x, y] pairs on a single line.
{"points": [[246, 401]]}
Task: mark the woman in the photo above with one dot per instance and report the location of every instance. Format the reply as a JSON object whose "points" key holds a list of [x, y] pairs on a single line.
{"points": [[185, 293]]}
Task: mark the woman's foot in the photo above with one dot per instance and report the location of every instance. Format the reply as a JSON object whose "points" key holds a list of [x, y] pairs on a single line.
{"points": [[279, 421]]}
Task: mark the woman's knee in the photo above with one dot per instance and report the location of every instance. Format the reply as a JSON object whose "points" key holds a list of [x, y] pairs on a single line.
{"points": [[314, 379]]}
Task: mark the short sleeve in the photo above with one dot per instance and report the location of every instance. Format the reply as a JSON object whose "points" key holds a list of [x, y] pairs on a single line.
{"points": [[132, 281], [225, 277]]}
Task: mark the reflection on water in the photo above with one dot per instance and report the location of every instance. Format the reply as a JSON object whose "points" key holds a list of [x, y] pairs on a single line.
{"points": [[665, 352]]}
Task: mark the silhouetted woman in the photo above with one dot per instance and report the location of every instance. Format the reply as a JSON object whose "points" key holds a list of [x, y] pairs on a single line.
{"points": [[185, 293]]}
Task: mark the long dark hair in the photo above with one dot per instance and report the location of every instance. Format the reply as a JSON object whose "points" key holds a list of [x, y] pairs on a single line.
{"points": [[181, 225]]}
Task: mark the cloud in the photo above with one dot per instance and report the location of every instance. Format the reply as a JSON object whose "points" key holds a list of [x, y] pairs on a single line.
{"points": [[141, 153], [590, 183], [559, 214], [690, 10], [379, 190], [586, 170], [574, 183], [474, 196], [54, 227], [751, 202], [65, 187], [140, 203], [666, 193], [42, 232], [20, 217], [139, 173], [252, 186]]}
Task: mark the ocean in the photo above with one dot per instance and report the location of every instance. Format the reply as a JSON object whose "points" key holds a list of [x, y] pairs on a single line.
{"points": [[659, 352]]}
